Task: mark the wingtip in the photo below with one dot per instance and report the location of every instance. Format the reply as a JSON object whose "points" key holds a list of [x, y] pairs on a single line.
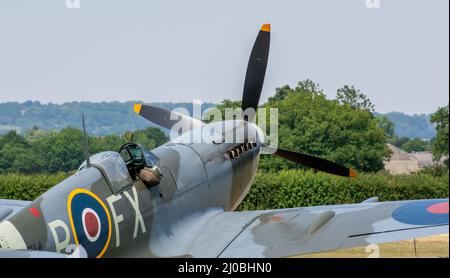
{"points": [[265, 27], [137, 108], [352, 173]]}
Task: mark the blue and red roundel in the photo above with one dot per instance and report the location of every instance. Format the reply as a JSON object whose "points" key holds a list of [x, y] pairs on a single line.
{"points": [[427, 212], [90, 221]]}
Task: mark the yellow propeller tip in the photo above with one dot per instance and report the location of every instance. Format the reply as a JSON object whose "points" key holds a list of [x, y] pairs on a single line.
{"points": [[137, 107], [265, 27], [352, 173]]}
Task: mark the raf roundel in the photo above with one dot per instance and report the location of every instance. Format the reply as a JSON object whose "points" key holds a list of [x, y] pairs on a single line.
{"points": [[425, 212], [90, 222]]}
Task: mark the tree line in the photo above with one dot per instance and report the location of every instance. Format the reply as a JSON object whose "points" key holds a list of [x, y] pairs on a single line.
{"points": [[344, 130], [39, 151]]}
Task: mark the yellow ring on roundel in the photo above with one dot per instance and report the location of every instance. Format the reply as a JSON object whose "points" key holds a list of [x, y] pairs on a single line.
{"points": [[72, 225]]}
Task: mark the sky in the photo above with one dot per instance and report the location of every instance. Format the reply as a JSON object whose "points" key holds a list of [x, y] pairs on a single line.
{"points": [[397, 53]]}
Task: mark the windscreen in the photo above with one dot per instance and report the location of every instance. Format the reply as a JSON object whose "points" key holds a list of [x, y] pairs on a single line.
{"points": [[113, 167]]}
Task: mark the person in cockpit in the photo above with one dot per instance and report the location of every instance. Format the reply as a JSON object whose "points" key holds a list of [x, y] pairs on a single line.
{"points": [[140, 165]]}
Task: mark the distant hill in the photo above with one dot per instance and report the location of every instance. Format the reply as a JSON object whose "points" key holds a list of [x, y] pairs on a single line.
{"points": [[415, 126], [104, 118]]}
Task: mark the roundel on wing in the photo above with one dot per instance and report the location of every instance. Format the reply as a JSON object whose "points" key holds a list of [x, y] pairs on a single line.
{"points": [[426, 212], [90, 222]]}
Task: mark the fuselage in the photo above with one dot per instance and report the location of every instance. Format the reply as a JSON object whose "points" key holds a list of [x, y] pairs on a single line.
{"points": [[100, 211]]}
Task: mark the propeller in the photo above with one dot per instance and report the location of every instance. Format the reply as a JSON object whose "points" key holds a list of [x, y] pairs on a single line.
{"points": [[314, 162], [256, 71], [165, 118], [254, 80]]}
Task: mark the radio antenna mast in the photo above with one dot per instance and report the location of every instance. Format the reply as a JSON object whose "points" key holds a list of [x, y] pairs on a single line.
{"points": [[86, 146]]}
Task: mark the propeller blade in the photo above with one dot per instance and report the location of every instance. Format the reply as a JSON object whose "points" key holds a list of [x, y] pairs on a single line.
{"points": [[162, 117], [316, 163], [256, 70]]}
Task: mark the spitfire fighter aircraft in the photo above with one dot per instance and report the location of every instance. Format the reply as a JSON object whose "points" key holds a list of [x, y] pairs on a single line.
{"points": [[178, 200]]}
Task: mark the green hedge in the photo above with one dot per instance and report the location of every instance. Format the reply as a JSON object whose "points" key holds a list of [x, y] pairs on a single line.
{"points": [[296, 188], [27, 187], [290, 188]]}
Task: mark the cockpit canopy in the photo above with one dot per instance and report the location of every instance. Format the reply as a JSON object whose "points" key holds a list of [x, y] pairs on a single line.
{"points": [[113, 168], [121, 168]]}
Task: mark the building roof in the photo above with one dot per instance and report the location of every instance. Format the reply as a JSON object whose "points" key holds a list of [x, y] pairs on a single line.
{"points": [[402, 162]]}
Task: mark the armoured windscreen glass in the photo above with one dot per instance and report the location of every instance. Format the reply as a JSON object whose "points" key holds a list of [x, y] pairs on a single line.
{"points": [[113, 166]]}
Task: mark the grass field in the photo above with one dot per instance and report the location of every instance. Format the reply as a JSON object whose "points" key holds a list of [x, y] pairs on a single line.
{"points": [[434, 246]]}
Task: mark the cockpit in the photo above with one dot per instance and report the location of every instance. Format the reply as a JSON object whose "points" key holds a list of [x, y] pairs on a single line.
{"points": [[131, 163], [136, 158]]}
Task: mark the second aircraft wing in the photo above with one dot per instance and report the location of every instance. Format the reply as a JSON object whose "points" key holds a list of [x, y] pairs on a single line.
{"points": [[287, 232]]}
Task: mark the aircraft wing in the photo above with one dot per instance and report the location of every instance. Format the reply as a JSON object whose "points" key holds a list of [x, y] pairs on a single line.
{"points": [[10, 253], [6, 253], [287, 232], [11, 207]]}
